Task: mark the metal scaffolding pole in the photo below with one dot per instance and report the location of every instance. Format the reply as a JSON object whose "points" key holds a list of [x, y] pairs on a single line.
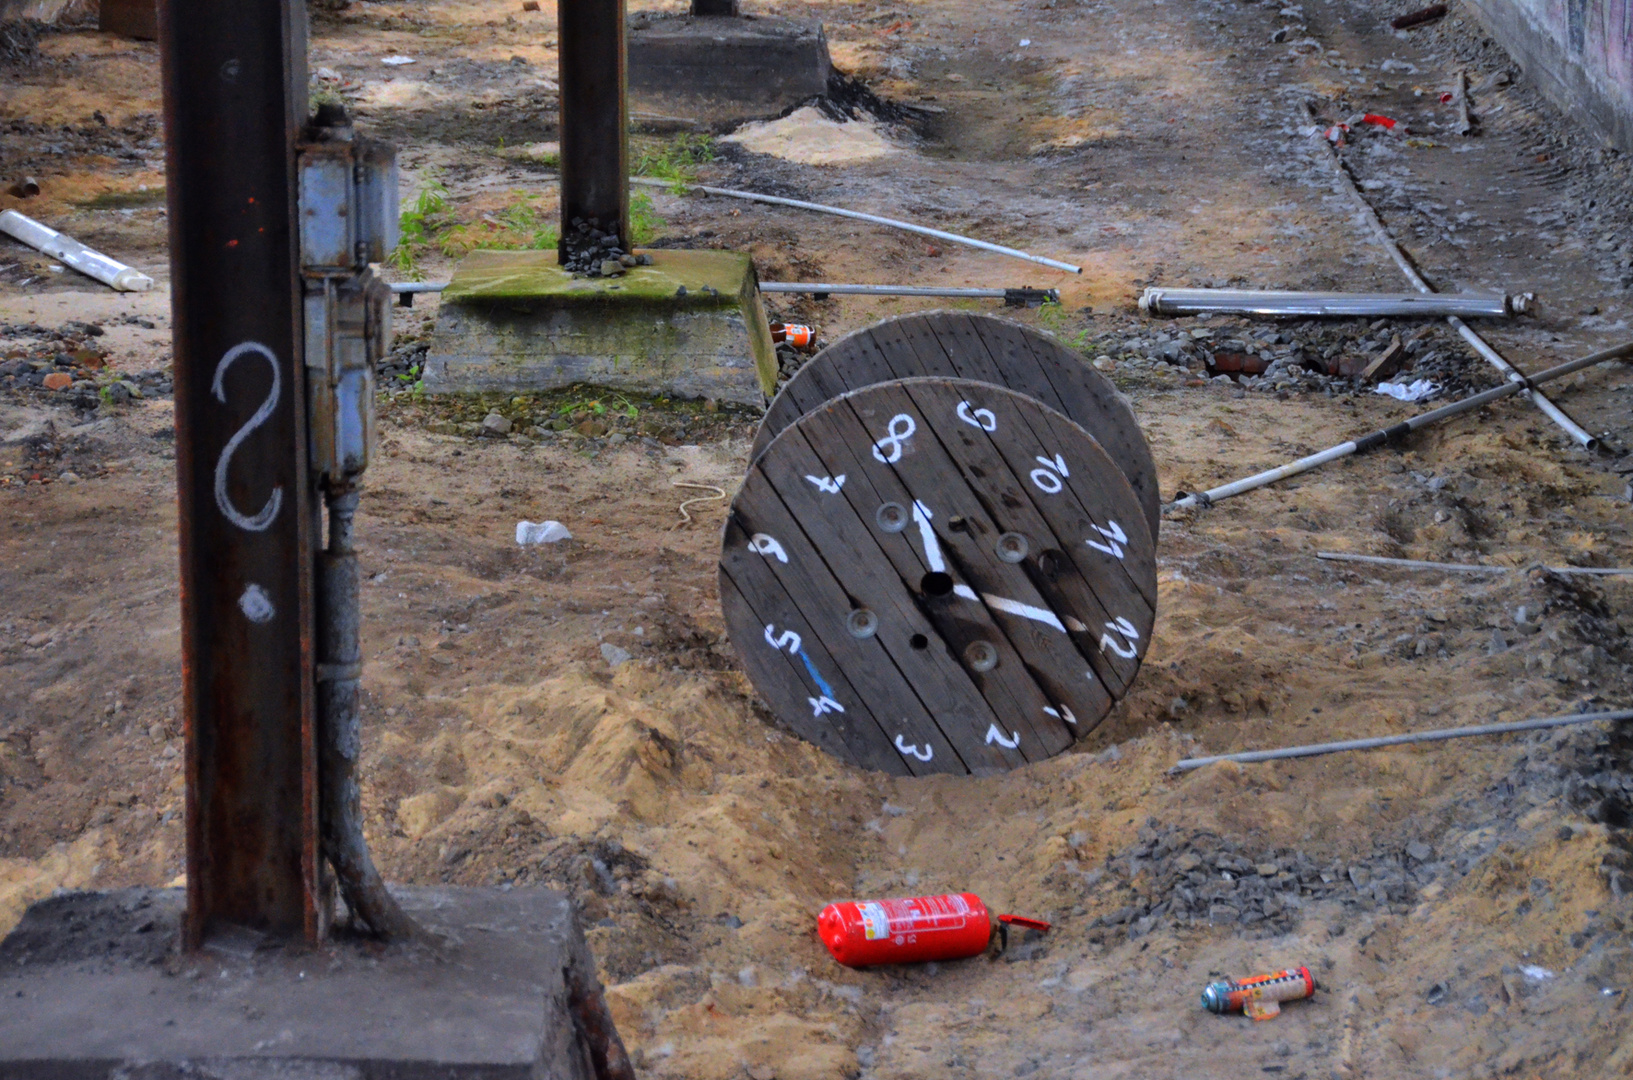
{"points": [[594, 117], [234, 79]]}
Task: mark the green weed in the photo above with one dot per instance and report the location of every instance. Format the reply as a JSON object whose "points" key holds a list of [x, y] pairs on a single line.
{"points": [[676, 161], [644, 223], [1052, 315], [418, 227]]}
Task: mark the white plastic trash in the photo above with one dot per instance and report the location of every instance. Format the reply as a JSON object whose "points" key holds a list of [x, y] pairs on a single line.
{"points": [[88, 262], [542, 532], [1421, 390], [397, 61]]}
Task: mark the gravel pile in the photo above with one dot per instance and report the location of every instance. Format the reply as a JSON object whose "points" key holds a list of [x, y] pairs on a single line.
{"points": [[68, 365], [1307, 355], [1179, 878], [594, 252]]}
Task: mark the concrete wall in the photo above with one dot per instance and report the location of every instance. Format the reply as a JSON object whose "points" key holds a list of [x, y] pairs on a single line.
{"points": [[1579, 51]]}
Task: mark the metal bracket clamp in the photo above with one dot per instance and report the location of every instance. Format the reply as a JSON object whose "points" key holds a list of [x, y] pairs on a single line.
{"points": [[348, 332], [348, 220]]}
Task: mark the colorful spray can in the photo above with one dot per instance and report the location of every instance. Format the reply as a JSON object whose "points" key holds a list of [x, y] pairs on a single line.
{"points": [[1261, 995], [861, 933]]}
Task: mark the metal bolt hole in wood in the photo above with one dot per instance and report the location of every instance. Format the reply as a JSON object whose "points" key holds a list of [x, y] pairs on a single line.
{"points": [[943, 557]]}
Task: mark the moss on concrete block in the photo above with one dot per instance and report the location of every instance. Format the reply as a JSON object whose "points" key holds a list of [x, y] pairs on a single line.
{"points": [[691, 325]]}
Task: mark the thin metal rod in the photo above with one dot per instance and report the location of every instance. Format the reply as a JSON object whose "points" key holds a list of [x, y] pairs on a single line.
{"points": [[1439, 735], [1475, 341], [951, 238], [1411, 564], [1183, 500], [820, 288], [1468, 568], [1163, 301], [878, 290]]}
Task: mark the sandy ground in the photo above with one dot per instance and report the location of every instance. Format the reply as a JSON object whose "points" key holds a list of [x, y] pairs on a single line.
{"points": [[1464, 906]]}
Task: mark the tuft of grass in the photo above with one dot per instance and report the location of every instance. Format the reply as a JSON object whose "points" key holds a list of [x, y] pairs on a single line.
{"points": [[1052, 315], [419, 226], [677, 160], [644, 223]]}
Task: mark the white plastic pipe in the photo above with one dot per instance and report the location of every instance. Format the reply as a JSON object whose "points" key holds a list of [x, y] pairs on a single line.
{"points": [[1437, 735], [73, 253], [951, 238], [1159, 300]]}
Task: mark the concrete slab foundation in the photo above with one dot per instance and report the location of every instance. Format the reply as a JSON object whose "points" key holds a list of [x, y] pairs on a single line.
{"points": [[92, 986], [691, 325], [725, 69]]}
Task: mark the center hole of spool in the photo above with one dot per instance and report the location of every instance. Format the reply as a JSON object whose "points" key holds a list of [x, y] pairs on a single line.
{"points": [[919, 641], [936, 583]]}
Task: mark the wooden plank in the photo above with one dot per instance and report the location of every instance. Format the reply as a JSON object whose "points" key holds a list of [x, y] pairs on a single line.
{"points": [[837, 577], [869, 664], [1083, 395], [788, 686], [995, 466], [965, 538], [845, 521], [1100, 493]]}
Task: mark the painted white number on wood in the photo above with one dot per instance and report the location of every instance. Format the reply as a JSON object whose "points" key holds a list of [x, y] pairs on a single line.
{"points": [[824, 704], [767, 545], [1062, 713], [1048, 478], [263, 518], [894, 438], [828, 485], [786, 640], [1125, 649], [1115, 537], [981, 418], [996, 735], [912, 749]]}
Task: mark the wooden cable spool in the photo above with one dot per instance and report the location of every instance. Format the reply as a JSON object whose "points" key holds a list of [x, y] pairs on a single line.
{"points": [[966, 345], [934, 574]]}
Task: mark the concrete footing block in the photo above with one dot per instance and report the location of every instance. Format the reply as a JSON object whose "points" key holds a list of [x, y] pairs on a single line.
{"points": [[725, 69], [92, 985], [689, 326]]}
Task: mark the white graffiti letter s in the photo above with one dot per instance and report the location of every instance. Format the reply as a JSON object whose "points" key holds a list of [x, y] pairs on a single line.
{"points": [[263, 519]]}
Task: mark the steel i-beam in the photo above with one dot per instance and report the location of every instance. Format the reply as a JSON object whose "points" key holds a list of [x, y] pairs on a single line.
{"points": [[234, 100], [594, 124]]}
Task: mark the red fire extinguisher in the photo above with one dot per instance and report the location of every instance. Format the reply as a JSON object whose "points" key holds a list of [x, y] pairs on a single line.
{"points": [[861, 933]]}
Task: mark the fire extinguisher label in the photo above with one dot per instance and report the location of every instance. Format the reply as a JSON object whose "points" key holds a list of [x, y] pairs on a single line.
{"points": [[922, 914], [875, 923]]}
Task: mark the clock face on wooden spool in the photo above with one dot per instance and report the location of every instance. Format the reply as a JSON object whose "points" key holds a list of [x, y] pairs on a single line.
{"points": [[937, 575], [971, 345]]}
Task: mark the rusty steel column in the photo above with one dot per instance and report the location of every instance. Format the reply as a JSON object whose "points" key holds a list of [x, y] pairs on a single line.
{"points": [[594, 124], [234, 79], [714, 7]]}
